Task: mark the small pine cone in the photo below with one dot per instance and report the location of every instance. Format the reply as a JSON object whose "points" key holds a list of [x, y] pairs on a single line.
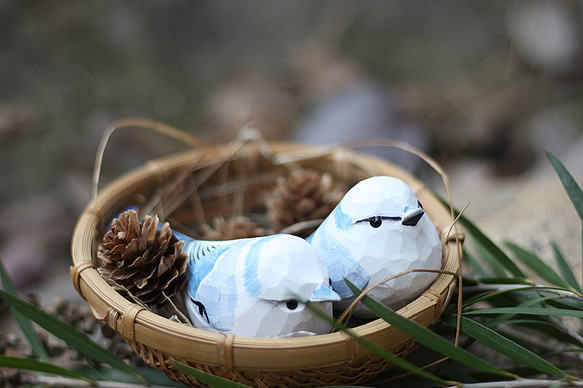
{"points": [[301, 196], [142, 260], [230, 229]]}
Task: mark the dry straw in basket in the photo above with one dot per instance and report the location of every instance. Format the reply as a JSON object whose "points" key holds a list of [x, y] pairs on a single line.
{"points": [[197, 185]]}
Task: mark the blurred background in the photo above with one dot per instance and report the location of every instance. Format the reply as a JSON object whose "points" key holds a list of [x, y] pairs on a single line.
{"points": [[482, 86]]}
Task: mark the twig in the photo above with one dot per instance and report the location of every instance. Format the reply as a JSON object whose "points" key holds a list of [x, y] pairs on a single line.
{"points": [[366, 290], [138, 123], [182, 318], [522, 383]]}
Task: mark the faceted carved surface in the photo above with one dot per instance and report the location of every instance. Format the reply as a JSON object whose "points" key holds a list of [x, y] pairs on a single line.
{"points": [[251, 287], [379, 230]]}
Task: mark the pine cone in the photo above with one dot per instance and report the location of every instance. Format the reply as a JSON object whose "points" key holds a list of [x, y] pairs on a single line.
{"points": [[301, 196], [142, 260], [230, 229]]}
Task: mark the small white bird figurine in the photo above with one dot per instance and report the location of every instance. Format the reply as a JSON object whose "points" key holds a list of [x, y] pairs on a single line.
{"points": [[252, 287], [378, 230]]}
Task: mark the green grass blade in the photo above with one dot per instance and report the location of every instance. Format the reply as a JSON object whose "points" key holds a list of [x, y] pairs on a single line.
{"points": [[505, 318], [67, 333], [506, 281], [538, 266], [39, 366], [474, 265], [427, 337], [505, 346], [207, 378], [564, 303], [487, 247], [565, 268], [393, 359], [485, 295], [495, 298], [490, 248], [486, 257], [24, 323], [571, 187], [528, 310]]}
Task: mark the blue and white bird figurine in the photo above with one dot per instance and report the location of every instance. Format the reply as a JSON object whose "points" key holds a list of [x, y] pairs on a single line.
{"points": [[251, 286], [379, 229]]}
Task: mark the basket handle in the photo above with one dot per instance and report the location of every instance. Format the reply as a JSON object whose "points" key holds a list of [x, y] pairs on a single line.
{"points": [[155, 126]]}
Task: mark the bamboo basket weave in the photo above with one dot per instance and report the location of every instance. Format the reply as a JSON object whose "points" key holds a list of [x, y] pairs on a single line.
{"points": [[229, 180]]}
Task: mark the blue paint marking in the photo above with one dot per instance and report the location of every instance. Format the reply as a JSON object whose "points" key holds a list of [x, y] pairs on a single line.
{"points": [[407, 208], [199, 266], [324, 294], [251, 274], [342, 220]]}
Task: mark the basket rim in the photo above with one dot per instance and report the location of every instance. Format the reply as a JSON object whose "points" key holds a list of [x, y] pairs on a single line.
{"points": [[142, 326]]}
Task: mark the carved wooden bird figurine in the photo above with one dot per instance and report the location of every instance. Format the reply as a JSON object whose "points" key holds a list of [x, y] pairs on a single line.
{"points": [[256, 286], [379, 229]]}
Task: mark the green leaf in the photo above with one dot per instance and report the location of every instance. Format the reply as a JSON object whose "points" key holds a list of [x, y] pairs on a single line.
{"points": [[505, 280], [485, 256], [496, 298], [67, 333], [505, 318], [39, 366], [538, 266], [395, 360], [571, 187], [528, 310], [24, 323], [474, 264], [573, 190], [207, 378], [565, 269], [486, 295], [425, 336], [490, 248], [505, 346], [564, 303]]}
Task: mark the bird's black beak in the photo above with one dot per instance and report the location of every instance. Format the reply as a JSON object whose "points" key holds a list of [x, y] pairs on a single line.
{"points": [[412, 217]]}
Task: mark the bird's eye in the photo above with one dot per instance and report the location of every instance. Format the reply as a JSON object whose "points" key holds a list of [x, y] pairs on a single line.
{"points": [[291, 304], [375, 222]]}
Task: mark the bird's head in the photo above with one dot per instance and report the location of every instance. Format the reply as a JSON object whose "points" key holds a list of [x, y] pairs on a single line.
{"points": [[282, 273], [289, 268], [378, 201]]}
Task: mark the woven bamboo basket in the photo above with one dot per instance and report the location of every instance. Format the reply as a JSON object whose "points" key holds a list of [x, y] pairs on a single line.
{"points": [[229, 180]]}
